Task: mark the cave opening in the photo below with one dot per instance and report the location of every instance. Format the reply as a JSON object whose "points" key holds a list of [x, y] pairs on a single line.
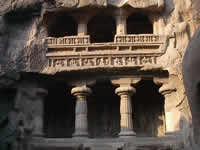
{"points": [[102, 29], [60, 25], [59, 115], [138, 23], [104, 111], [148, 110]]}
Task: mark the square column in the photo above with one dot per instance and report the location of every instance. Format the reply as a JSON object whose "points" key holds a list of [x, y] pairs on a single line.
{"points": [[126, 122], [38, 118], [82, 28], [81, 119], [121, 24]]}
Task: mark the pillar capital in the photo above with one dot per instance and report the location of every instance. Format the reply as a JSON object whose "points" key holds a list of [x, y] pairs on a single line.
{"points": [[42, 92], [38, 120], [166, 89], [124, 81], [82, 90], [123, 90]]}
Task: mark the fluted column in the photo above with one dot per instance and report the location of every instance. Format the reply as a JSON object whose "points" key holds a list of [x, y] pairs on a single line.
{"points": [[126, 121], [81, 120]]}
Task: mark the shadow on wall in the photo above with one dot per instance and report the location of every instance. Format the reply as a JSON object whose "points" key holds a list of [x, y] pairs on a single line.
{"points": [[148, 110]]}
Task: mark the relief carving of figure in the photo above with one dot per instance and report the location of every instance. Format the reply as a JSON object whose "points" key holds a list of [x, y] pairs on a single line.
{"points": [[16, 120], [25, 118]]}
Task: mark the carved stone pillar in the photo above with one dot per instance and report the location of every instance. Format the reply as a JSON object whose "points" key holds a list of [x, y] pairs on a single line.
{"points": [[38, 112], [126, 122], [121, 25], [82, 28], [81, 120], [172, 115]]}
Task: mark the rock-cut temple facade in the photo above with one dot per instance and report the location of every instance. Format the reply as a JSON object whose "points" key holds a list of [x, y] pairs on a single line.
{"points": [[99, 75]]}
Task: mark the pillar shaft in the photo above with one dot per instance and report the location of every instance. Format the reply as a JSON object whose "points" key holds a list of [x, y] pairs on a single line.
{"points": [[82, 28], [81, 120], [126, 113], [38, 119], [126, 121], [121, 25]]}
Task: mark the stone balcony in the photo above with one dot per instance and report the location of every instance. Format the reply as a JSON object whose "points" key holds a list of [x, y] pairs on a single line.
{"points": [[77, 52]]}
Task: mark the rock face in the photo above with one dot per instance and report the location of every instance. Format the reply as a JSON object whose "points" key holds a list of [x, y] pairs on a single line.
{"points": [[60, 44]]}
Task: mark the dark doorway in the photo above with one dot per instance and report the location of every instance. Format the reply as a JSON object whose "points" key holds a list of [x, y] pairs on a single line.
{"points": [[59, 116], [104, 111], [148, 109], [139, 24], [60, 25], [102, 29]]}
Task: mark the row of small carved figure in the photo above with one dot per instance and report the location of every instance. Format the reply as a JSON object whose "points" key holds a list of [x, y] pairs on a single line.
{"points": [[102, 61]]}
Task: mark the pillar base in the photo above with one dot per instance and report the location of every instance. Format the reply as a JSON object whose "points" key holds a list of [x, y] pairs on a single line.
{"points": [[38, 134], [80, 135], [127, 134]]}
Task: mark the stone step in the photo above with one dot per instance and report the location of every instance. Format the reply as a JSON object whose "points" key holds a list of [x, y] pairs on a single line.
{"points": [[102, 147]]}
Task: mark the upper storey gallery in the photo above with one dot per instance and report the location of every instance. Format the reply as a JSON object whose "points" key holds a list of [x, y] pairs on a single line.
{"points": [[101, 24]]}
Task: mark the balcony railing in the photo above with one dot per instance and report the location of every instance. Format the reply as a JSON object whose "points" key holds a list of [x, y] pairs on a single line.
{"points": [[141, 38], [125, 43], [68, 40]]}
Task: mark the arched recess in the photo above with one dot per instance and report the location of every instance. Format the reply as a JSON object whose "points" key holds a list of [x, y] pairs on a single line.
{"points": [[60, 25], [148, 110], [138, 23], [102, 28]]}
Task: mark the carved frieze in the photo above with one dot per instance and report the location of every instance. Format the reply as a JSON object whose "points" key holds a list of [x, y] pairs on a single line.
{"points": [[66, 3], [146, 3], [154, 5], [109, 61]]}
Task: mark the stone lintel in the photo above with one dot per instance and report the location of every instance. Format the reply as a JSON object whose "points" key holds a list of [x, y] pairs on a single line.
{"points": [[125, 81]]}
